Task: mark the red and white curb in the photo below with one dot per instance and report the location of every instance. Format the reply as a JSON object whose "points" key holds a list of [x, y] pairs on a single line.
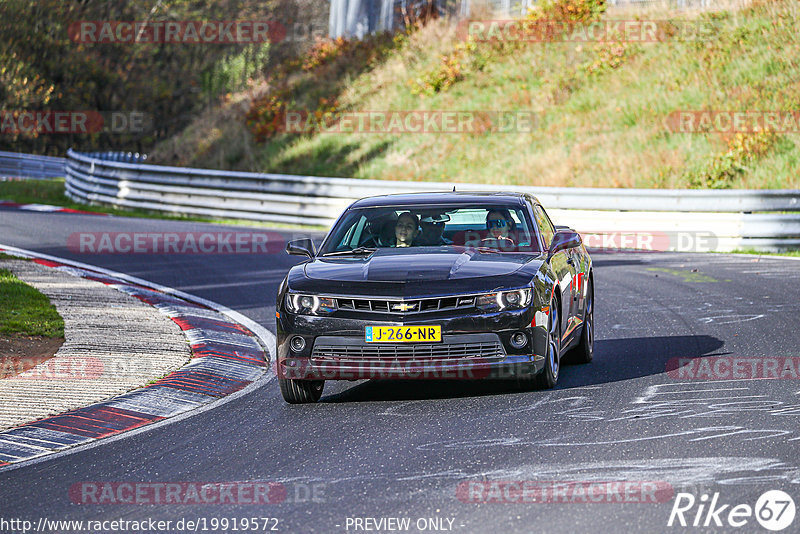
{"points": [[47, 208], [230, 354]]}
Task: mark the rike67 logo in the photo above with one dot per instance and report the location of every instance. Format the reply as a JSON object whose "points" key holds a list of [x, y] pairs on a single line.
{"points": [[774, 510]]}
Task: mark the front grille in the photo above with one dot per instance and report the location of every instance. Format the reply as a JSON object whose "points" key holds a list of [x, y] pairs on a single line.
{"points": [[344, 351], [404, 307]]}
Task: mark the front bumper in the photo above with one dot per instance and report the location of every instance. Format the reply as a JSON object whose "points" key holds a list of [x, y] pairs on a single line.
{"points": [[473, 346]]}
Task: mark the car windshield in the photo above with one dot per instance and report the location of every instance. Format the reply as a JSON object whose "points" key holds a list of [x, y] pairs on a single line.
{"points": [[491, 228]]}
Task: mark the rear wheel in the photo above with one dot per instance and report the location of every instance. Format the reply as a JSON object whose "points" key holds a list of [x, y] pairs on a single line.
{"points": [[300, 391], [584, 352], [549, 376]]}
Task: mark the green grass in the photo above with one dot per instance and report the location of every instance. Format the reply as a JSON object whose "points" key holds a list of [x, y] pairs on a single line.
{"points": [[4, 256], [52, 192], [791, 253], [601, 112], [25, 311]]}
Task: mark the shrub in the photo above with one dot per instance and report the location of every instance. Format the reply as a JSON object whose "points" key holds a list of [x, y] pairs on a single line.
{"points": [[324, 51], [743, 149], [466, 57], [451, 69], [313, 81], [609, 56], [266, 114], [569, 10]]}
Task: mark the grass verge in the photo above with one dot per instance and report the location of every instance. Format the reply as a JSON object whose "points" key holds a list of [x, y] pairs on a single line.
{"points": [[601, 108], [24, 311], [791, 253]]}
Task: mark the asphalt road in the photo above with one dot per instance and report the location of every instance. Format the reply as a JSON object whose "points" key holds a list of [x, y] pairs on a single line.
{"points": [[378, 449]]}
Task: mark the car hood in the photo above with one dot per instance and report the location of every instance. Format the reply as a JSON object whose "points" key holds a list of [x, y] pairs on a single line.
{"points": [[421, 265]]}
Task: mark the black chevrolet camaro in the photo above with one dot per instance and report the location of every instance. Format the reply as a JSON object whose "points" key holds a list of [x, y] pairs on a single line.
{"points": [[435, 285]]}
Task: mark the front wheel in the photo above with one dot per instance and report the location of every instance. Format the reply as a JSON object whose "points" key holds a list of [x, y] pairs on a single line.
{"points": [[300, 391], [549, 376], [584, 352]]}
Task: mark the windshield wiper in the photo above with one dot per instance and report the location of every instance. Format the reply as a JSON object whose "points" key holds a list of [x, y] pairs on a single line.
{"points": [[357, 250], [487, 249]]}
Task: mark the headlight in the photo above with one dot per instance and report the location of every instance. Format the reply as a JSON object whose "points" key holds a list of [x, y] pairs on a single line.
{"points": [[504, 300], [310, 304]]}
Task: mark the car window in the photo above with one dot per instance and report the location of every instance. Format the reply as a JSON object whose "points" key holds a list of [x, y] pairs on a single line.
{"points": [[475, 217], [545, 226], [499, 227], [352, 233]]}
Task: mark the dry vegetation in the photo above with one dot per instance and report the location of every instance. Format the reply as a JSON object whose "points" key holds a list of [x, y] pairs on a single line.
{"points": [[600, 107]]}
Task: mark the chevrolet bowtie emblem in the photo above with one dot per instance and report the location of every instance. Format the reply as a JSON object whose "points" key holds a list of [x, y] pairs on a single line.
{"points": [[403, 307]]}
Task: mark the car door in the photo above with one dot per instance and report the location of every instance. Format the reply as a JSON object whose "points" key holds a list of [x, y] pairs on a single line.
{"points": [[565, 263]]}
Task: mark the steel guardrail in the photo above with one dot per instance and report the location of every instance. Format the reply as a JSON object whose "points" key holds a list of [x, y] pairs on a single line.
{"points": [[736, 217], [18, 165]]}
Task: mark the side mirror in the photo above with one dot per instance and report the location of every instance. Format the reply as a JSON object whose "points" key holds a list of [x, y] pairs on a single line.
{"points": [[300, 247], [563, 240]]}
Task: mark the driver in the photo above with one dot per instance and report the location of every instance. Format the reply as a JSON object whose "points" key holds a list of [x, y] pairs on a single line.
{"points": [[406, 229], [500, 226], [432, 227]]}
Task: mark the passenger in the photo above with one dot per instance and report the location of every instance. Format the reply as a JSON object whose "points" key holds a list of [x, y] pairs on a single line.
{"points": [[406, 229], [501, 229], [432, 227]]}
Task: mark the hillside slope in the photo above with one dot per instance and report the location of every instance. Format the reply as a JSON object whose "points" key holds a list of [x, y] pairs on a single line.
{"points": [[601, 110]]}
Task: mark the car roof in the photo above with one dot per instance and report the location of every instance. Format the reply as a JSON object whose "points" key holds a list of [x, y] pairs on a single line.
{"points": [[448, 197]]}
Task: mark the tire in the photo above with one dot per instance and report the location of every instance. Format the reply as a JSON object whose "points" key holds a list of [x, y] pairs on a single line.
{"points": [[584, 352], [548, 377], [300, 391]]}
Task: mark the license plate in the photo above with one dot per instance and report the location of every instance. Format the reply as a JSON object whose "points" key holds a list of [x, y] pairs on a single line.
{"points": [[402, 334]]}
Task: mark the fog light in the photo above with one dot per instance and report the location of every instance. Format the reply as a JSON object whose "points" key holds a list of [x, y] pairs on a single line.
{"points": [[297, 343], [519, 340]]}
